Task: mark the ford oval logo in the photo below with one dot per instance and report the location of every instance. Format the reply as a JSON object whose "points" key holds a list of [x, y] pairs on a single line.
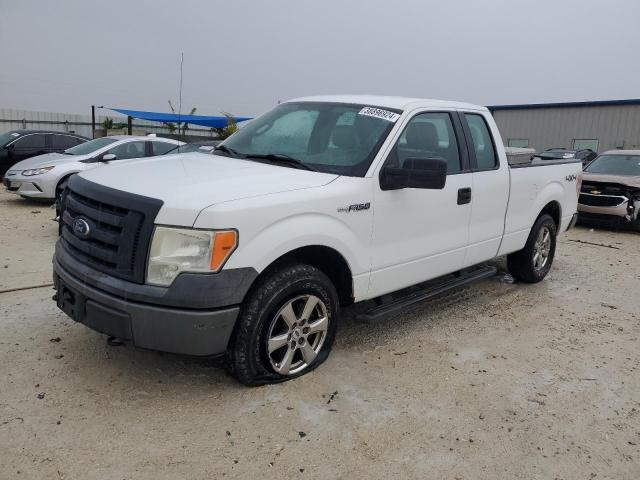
{"points": [[81, 228]]}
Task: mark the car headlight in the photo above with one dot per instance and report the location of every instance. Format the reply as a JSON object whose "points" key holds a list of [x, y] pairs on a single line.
{"points": [[36, 171], [177, 250]]}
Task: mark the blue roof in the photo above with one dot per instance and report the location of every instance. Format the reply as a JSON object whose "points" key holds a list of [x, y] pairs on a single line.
{"points": [[203, 120], [594, 103]]}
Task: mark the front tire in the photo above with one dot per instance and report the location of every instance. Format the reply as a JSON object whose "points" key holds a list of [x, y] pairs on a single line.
{"points": [[533, 262], [286, 327]]}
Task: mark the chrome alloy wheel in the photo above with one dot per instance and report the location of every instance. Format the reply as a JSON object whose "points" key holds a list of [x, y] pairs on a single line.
{"points": [[296, 334], [542, 248]]}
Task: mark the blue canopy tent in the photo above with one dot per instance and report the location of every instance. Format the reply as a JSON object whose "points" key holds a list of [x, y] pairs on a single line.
{"points": [[203, 120]]}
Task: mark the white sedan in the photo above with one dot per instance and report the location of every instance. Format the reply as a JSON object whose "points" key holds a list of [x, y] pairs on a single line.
{"points": [[45, 176]]}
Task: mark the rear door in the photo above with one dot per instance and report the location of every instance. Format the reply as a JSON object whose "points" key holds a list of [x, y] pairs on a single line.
{"points": [[490, 189], [59, 143], [29, 146], [420, 234]]}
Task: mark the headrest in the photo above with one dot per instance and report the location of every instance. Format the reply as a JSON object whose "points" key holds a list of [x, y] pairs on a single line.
{"points": [[344, 136], [422, 136]]}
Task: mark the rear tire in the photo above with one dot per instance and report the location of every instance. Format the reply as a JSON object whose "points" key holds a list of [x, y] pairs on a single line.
{"points": [[533, 262], [286, 327]]}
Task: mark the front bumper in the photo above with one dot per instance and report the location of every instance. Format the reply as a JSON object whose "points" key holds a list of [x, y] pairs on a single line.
{"points": [[201, 331], [572, 223], [29, 187], [616, 211]]}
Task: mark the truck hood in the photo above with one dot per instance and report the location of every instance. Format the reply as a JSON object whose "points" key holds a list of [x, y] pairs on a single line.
{"points": [[46, 160], [627, 180], [190, 182]]}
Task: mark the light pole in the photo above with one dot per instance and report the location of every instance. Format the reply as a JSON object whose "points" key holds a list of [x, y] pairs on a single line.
{"points": [[93, 120]]}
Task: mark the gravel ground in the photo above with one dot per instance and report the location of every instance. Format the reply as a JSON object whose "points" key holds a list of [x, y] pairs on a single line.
{"points": [[497, 380]]}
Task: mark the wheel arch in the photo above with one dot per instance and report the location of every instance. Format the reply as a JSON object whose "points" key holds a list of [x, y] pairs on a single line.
{"points": [[326, 259], [554, 209]]}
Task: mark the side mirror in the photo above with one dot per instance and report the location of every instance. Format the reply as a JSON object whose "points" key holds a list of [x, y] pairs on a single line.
{"points": [[427, 173], [108, 156]]}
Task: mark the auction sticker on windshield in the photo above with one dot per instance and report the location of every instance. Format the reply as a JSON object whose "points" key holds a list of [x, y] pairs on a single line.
{"points": [[379, 113]]}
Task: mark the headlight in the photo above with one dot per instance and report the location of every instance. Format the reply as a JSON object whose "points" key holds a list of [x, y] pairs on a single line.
{"points": [[176, 250], [36, 171]]}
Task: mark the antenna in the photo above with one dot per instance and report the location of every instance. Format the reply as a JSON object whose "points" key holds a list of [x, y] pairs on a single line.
{"points": [[180, 92]]}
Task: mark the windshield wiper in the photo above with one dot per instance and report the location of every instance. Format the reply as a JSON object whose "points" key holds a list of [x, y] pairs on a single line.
{"points": [[225, 149], [282, 158]]}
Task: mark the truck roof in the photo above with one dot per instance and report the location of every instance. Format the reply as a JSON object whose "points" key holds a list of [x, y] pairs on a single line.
{"points": [[401, 103]]}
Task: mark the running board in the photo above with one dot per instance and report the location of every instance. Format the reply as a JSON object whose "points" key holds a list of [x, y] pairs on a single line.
{"points": [[392, 306]]}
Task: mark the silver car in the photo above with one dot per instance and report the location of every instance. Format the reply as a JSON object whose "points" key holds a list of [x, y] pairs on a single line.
{"points": [[45, 176]]}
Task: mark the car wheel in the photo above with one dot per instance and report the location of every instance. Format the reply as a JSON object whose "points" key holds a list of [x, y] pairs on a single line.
{"points": [[286, 327], [533, 262], [62, 184]]}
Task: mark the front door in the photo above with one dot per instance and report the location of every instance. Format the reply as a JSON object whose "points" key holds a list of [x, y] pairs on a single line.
{"points": [[420, 234]]}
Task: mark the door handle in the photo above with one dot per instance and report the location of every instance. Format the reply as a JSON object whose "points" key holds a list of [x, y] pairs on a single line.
{"points": [[464, 196]]}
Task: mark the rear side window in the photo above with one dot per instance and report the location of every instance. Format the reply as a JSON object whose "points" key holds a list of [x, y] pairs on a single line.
{"points": [[62, 142], [160, 148], [486, 157]]}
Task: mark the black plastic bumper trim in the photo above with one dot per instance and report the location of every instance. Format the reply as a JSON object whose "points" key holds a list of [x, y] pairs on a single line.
{"points": [[175, 330], [188, 290]]}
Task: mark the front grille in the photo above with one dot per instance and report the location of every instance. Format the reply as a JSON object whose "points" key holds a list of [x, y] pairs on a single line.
{"points": [[600, 200], [108, 229], [598, 188]]}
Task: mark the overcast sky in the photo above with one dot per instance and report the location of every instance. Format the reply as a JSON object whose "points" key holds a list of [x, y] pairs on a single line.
{"points": [[242, 56]]}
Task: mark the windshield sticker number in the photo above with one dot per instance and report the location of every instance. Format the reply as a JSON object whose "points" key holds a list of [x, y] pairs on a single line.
{"points": [[379, 113]]}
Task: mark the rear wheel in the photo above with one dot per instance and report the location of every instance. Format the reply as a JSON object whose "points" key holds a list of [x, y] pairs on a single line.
{"points": [[533, 262], [286, 326]]}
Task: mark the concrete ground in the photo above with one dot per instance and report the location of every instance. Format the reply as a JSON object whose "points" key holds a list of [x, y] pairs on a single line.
{"points": [[496, 381]]}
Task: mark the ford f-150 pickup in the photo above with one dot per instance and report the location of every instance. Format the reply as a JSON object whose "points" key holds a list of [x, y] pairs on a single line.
{"points": [[319, 203]]}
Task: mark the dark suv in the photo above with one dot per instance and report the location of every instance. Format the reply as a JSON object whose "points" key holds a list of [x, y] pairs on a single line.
{"points": [[585, 155], [17, 145]]}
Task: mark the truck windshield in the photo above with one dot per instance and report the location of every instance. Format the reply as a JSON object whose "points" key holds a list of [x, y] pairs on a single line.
{"points": [[615, 165], [328, 137]]}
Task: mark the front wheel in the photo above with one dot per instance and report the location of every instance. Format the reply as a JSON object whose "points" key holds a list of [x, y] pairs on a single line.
{"points": [[286, 326], [533, 262]]}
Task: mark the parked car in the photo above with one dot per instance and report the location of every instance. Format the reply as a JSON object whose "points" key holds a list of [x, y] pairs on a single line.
{"points": [[201, 147], [320, 202], [610, 190], [585, 155], [45, 176], [17, 145]]}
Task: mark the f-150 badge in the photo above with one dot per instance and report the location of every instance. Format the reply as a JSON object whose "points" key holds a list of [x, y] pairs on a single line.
{"points": [[356, 207]]}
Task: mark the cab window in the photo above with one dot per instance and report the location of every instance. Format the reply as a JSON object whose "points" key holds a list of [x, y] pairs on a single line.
{"points": [[486, 158], [428, 135]]}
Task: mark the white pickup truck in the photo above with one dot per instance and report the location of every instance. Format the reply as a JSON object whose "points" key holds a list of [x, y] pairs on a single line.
{"points": [[319, 203]]}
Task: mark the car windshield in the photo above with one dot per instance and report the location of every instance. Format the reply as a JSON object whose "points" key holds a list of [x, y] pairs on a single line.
{"points": [[90, 146], [7, 137], [326, 137], [615, 165]]}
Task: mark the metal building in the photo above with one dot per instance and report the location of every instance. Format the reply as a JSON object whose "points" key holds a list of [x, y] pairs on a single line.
{"points": [[600, 125]]}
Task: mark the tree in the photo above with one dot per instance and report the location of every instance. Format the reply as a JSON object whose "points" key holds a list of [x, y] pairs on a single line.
{"points": [[181, 128], [107, 123], [229, 129]]}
